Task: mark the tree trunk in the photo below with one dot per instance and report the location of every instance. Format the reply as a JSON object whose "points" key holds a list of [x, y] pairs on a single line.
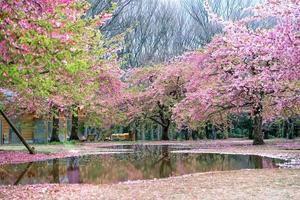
{"points": [[250, 130], [184, 131], [257, 127], [214, 132], [74, 129], [207, 130], [290, 129], [165, 131], [285, 128], [55, 128]]}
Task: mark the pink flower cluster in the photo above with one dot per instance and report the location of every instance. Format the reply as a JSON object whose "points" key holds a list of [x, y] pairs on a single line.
{"points": [[244, 69]]}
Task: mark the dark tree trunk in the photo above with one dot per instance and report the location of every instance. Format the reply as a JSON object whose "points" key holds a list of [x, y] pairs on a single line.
{"points": [[165, 133], [290, 128], [257, 127], [285, 129], [75, 126], [184, 131], [207, 130], [132, 133], [214, 132], [81, 127], [55, 128], [250, 136], [194, 134]]}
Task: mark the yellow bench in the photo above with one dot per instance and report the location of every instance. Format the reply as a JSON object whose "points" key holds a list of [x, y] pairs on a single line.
{"points": [[120, 136]]}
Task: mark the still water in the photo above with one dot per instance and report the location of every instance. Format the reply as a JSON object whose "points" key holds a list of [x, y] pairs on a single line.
{"points": [[142, 162]]}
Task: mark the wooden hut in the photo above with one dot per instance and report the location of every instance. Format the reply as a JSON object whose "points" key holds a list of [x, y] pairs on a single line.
{"points": [[37, 130], [25, 124], [4, 130], [34, 130]]}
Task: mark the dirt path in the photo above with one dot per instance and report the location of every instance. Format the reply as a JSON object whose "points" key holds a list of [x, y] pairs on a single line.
{"points": [[245, 184]]}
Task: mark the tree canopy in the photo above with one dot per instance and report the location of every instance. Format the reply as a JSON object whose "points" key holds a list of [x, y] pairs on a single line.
{"points": [[53, 56], [248, 70]]}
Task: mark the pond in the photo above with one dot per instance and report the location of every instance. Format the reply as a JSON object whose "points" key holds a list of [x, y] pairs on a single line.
{"points": [[141, 162]]}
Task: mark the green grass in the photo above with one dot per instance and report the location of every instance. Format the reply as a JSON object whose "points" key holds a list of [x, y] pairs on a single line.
{"points": [[65, 142]]}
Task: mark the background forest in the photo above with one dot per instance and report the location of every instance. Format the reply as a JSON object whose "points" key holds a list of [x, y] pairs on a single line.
{"points": [[158, 69], [156, 31]]}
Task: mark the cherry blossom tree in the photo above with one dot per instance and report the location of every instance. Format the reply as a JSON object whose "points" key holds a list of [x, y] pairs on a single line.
{"points": [[52, 58], [153, 92], [248, 70]]}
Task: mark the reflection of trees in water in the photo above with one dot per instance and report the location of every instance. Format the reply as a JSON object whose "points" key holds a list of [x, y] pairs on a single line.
{"points": [[153, 161], [146, 162], [263, 162], [256, 161], [156, 162], [29, 165], [28, 173], [73, 170], [160, 162], [165, 164], [55, 171], [210, 162], [11, 174]]}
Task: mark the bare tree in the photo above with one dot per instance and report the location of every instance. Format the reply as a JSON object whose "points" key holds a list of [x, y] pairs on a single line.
{"points": [[155, 31]]}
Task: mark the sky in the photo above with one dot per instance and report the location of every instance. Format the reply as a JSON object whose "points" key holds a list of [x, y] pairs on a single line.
{"points": [[171, 0]]}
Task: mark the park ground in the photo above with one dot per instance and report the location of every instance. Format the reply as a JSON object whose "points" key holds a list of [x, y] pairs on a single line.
{"points": [[278, 184]]}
